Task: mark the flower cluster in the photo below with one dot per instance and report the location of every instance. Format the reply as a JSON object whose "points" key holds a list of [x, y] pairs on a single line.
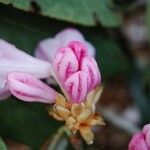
{"points": [[66, 58]]}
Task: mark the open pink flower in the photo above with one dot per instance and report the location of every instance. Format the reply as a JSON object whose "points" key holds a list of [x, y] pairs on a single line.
{"points": [[15, 60], [47, 48], [141, 141]]}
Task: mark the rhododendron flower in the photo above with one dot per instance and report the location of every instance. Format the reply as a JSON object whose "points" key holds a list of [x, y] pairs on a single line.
{"points": [[141, 141], [78, 75], [75, 71], [12, 59]]}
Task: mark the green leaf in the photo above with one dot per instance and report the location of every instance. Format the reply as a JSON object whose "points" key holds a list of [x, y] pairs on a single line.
{"points": [[2, 145], [109, 55], [26, 30], [85, 12], [140, 98], [146, 80], [26, 122]]}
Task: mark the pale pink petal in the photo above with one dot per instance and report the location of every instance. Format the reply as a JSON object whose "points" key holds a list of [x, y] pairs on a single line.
{"points": [[147, 139], [68, 35], [146, 128], [71, 34], [65, 63], [27, 88], [138, 142], [90, 66], [39, 70], [79, 49], [90, 48], [76, 86], [4, 93], [47, 48], [12, 59], [146, 131], [9, 51]]}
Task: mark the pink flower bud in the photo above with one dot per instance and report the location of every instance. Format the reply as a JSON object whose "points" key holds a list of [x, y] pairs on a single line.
{"points": [[141, 141], [76, 71], [27, 88]]}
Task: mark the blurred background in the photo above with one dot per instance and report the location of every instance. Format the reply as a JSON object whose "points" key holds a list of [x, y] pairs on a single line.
{"points": [[120, 32]]}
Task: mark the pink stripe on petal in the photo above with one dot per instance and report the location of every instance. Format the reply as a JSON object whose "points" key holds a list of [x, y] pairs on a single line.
{"points": [[27, 88], [90, 66], [65, 64], [79, 49], [76, 86]]}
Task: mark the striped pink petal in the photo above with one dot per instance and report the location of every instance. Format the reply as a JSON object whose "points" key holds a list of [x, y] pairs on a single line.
{"points": [[28, 88], [77, 86], [65, 63], [90, 66]]}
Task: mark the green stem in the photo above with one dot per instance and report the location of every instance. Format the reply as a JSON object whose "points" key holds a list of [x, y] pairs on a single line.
{"points": [[2, 145], [57, 137]]}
